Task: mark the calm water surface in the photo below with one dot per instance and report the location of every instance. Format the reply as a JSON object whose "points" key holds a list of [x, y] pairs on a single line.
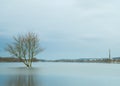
{"points": [[60, 74]]}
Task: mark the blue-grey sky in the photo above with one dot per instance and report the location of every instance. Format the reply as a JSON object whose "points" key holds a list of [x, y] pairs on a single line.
{"points": [[67, 28]]}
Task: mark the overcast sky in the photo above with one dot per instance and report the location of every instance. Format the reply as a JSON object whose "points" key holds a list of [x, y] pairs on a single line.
{"points": [[67, 28]]}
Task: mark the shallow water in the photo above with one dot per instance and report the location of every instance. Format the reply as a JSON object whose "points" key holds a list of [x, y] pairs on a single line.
{"points": [[60, 74]]}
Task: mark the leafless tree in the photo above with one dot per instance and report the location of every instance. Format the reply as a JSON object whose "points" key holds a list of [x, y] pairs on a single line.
{"points": [[25, 47]]}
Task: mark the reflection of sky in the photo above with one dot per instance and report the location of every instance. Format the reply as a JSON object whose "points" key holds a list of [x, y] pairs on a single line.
{"points": [[3, 80], [67, 28]]}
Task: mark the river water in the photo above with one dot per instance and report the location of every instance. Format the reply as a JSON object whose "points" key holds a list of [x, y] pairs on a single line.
{"points": [[60, 74]]}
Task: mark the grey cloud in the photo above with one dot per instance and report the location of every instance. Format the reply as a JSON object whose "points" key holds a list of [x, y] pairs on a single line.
{"points": [[62, 22]]}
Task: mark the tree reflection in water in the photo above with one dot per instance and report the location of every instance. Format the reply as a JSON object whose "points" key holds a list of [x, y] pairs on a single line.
{"points": [[23, 77]]}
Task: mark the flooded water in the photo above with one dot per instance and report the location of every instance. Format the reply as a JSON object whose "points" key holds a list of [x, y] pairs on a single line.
{"points": [[60, 74]]}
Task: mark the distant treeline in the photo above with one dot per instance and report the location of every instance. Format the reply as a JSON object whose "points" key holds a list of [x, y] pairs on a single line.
{"points": [[82, 60], [90, 60], [12, 59]]}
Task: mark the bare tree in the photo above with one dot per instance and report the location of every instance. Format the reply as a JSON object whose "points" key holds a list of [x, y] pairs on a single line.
{"points": [[25, 47]]}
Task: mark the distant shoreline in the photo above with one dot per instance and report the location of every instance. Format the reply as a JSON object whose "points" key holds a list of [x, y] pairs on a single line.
{"points": [[12, 59], [81, 60]]}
